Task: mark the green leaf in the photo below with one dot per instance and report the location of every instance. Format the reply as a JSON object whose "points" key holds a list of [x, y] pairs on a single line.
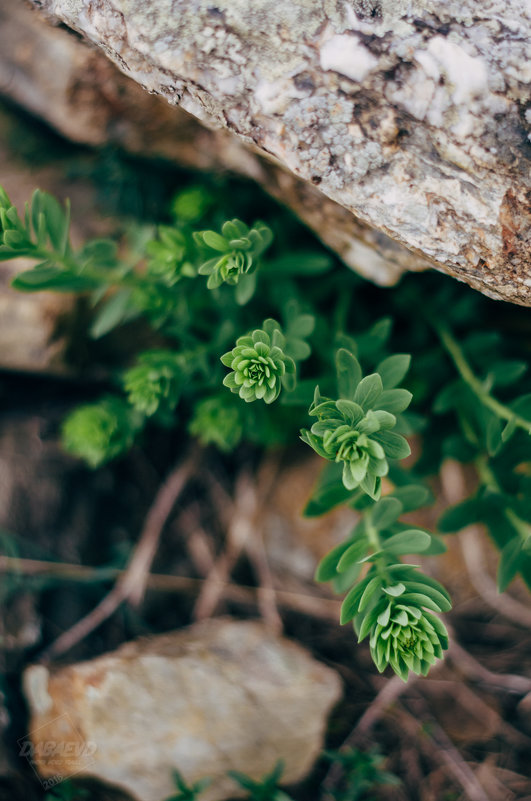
{"points": [[297, 349], [494, 435], [349, 607], [301, 326], [326, 498], [460, 516], [113, 312], [393, 369], [313, 441], [509, 563], [372, 587], [372, 485], [406, 542], [394, 400], [100, 252], [412, 496], [43, 278], [508, 430], [215, 241], [440, 598], [436, 547], [327, 567], [522, 406], [342, 582], [394, 445], [507, 372], [348, 374], [395, 590], [56, 221], [350, 410], [245, 288], [367, 623], [289, 381], [352, 555], [18, 242], [368, 391], [386, 512], [421, 599]]}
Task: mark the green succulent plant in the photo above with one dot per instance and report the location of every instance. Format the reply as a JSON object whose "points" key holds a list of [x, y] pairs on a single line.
{"points": [[168, 256], [217, 422], [238, 249], [355, 430], [259, 365], [154, 383], [99, 432], [406, 635]]}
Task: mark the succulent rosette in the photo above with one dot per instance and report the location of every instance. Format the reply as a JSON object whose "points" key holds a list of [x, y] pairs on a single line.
{"points": [[154, 383], [397, 607], [259, 365], [238, 249], [168, 256], [355, 430], [407, 637], [98, 432], [218, 421]]}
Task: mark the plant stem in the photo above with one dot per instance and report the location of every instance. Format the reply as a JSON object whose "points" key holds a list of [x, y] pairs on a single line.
{"points": [[468, 376], [376, 544], [105, 277]]}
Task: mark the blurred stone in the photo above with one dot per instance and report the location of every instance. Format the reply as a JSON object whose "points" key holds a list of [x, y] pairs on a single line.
{"points": [[217, 696]]}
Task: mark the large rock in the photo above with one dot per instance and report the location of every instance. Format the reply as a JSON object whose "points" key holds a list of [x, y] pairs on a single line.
{"points": [[220, 695], [414, 116], [77, 90]]}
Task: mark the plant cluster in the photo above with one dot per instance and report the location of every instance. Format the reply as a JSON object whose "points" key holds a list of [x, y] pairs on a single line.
{"points": [[361, 771], [471, 392]]}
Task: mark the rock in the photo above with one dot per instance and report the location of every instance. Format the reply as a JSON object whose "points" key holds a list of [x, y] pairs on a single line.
{"points": [[412, 116], [220, 695], [79, 92]]}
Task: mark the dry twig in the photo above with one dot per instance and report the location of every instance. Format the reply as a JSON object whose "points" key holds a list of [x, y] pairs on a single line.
{"points": [[520, 685], [311, 605], [438, 746], [132, 582], [242, 517]]}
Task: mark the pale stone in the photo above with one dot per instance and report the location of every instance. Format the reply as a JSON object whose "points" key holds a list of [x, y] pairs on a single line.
{"points": [[220, 695], [452, 185]]}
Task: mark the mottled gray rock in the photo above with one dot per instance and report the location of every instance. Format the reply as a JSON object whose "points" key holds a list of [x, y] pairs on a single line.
{"points": [[220, 695], [412, 115], [77, 90]]}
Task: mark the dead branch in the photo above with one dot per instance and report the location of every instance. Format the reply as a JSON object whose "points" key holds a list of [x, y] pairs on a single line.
{"points": [[132, 582]]}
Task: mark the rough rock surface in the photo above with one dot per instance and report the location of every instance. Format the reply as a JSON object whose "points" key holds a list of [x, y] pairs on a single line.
{"points": [[220, 695], [412, 115], [53, 74]]}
